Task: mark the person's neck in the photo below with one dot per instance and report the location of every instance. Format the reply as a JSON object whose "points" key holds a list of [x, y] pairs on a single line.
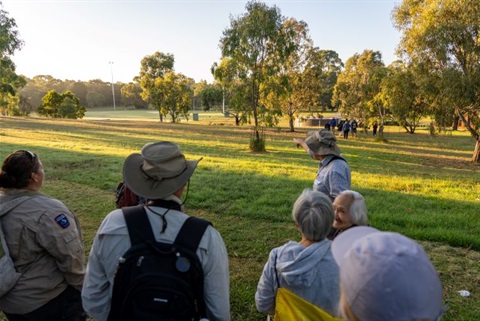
{"points": [[306, 242], [170, 204], [33, 186]]}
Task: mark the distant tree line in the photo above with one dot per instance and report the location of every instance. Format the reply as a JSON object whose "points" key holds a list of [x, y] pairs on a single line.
{"points": [[98, 94]]}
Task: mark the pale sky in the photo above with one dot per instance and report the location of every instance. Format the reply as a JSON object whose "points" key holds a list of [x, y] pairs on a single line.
{"points": [[77, 39]]}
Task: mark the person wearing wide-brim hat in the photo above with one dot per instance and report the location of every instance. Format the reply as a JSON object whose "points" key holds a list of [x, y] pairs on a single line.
{"points": [[333, 175], [159, 173]]}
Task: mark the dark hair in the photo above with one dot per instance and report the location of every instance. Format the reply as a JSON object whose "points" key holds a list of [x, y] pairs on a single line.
{"points": [[17, 169]]}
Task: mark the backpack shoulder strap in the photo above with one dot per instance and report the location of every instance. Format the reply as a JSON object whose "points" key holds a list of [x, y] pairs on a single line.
{"points": [[189, 236], [191, 232], [138, 225], [334, 158]]}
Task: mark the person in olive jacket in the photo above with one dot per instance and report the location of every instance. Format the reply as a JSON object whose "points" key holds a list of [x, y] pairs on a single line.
{"points": [[45, 242]]}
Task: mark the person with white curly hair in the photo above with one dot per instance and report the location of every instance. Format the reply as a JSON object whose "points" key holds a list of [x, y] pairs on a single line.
{"points": [[350, 210]]}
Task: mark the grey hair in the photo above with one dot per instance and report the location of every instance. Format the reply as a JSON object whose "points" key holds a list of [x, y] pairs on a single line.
{"points": [[313, 213], [358, 208]]}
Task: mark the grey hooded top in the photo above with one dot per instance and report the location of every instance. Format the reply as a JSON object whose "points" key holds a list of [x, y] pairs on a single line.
{"points": [[310, 272]]}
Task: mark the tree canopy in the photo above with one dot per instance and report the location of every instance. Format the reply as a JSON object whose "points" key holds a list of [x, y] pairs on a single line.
{"points": [[132, 95], [173, 93], [57, 105], [358, 86], [288, 90], [443, 35], [235, 89], [168, 92], [251, 42], [270, 68], [10, 82], [402, 96]]}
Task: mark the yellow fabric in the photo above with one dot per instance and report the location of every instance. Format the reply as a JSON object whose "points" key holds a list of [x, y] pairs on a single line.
{"points": [[291, 307]]}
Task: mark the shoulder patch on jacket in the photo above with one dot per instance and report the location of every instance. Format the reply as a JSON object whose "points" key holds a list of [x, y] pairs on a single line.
{"points": [[62, 220]]}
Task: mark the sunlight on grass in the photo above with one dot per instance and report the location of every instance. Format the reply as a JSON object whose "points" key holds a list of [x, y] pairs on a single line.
{"points": [[421, 186]]}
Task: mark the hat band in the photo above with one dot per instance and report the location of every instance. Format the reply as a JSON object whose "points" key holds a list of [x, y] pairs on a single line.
{"points": [[157, 178]]}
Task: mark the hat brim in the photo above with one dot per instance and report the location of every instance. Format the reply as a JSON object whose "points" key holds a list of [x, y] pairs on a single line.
{"points": [[344, 242], [321, 149], [142, 186]]}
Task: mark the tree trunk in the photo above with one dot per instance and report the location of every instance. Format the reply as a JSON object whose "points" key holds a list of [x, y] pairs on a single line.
{"points": [[476, 135], [290, 122], [380, 131], [476, 152], [456, 119]]}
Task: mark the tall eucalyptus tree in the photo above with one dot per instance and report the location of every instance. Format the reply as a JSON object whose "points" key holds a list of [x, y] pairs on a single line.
{"points": [[444, 35]]}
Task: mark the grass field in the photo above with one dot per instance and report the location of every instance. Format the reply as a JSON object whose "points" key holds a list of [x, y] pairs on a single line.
{"points": [[421, 186]]}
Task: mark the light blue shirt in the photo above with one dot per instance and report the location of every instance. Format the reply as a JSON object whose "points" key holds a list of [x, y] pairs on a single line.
{"points": [[333, 177], [112, 240]]}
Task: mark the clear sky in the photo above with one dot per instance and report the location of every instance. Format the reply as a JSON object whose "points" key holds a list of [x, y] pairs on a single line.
{"points": [[77, 39]]}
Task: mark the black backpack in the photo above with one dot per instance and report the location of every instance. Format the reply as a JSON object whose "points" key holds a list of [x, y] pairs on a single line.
{"points": [[159, 281]]}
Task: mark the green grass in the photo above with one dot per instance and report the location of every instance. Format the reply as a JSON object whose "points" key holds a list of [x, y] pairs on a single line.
{"points": [[420, 186]]}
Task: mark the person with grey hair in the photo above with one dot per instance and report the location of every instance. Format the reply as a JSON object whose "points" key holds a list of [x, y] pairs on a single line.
{"points": [[307, 267], [386, 276], [350, 210]]}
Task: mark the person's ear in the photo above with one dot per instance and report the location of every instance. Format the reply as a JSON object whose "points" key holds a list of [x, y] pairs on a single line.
{"points": [[34, 177]]}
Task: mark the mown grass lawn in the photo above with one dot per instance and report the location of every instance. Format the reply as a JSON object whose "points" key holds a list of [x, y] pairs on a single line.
{"points": [[421, 186]]}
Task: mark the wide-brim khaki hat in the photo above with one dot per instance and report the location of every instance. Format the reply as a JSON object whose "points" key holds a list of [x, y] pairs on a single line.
{"points": [[158, 171], [322, 142]]}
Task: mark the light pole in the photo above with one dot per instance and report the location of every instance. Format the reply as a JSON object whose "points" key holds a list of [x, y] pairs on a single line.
{"points": [[113, 88]]}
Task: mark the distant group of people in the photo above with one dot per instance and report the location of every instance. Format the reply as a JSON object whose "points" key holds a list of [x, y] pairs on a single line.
{"points": [[343, 127], [346, 127], [340, 264]]}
